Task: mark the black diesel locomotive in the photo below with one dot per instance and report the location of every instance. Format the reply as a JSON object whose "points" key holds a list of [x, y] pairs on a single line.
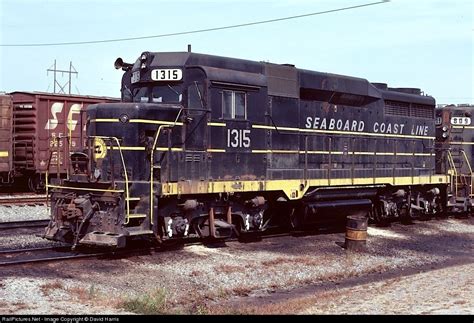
{"points": [[211, 146]]}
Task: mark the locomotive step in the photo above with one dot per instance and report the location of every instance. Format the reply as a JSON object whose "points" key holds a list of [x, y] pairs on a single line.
{"points": [[136, 231], [106, 239]]}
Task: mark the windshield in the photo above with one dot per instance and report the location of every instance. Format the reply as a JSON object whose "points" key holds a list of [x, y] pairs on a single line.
{"points": [[158, 94]]}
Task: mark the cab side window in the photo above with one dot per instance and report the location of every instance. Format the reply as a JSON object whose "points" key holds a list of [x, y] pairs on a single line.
{"points": [[234, 105]]}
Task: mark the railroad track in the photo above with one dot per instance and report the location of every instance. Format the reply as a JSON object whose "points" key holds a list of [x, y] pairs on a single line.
{"points": [[23, 224], [45, 254], [11, 257], [10, 200], [51, 254]]}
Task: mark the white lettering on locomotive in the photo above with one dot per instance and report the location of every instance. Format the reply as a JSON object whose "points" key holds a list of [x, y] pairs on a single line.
{"points": [[334, 124], [167, 74], [461, 121], [238, 138], [418, 130], [359, 125], [395, 128]]}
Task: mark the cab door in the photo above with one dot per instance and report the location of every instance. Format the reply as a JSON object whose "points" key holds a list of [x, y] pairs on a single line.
{"points": [[193, 158]]}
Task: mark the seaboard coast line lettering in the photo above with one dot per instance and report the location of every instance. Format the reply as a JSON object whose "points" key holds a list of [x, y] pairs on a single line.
{"points": [[360, 126]]}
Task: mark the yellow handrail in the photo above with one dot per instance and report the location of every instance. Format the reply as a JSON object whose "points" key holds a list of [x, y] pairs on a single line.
{"points": [[127, 194], [469, 166], [69, 126], [47, 195], [453, 167], [152, 155]]}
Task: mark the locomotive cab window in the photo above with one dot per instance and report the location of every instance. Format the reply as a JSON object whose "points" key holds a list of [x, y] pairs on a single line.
{"points": [[166, 94], [158, 94], [234, 105], [140, 95]]}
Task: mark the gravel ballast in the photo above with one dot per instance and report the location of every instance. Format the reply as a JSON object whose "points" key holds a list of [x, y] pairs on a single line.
{"points": [[199, 279], [23, 213]]}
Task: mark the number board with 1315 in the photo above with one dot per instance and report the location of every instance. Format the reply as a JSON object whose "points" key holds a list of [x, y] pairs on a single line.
{"points": [[169, 74]]}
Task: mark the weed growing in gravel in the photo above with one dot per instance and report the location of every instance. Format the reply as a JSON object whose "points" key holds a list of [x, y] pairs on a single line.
{"points": [[276, 261], [92, 295], [223, 292], [201, 309], [20, 306], [242, 291], [93, 292], [150, 303], [84, 294], [228, 269], [48, 287]]}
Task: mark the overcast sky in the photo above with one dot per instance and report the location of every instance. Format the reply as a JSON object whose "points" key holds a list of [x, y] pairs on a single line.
{"points": [[425, 44]]}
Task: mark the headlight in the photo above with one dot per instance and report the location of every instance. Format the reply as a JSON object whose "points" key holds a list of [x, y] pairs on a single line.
{"points": [[143, 59]]}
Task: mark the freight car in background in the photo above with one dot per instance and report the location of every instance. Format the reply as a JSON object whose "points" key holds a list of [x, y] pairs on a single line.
{"points": [[454, 144], [32, 123], [6, 156]]}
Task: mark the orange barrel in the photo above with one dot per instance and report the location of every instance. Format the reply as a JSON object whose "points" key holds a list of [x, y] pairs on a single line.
{"points": [[356, 233]]}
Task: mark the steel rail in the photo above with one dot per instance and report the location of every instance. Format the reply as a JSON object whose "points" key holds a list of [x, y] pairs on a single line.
{"points": [[23, 224], [22, 200], [49, 259], [13, 251]]}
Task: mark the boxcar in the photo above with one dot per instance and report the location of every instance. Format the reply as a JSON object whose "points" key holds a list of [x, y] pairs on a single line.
{"points": [[39, 120], [6, 158]]}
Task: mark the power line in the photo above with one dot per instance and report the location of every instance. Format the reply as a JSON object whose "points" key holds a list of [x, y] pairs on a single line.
{"points": [[193, 31]]}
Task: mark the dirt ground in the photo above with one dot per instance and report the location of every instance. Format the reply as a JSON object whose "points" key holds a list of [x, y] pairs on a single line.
{"points": [[448, 289], [424, 268]]}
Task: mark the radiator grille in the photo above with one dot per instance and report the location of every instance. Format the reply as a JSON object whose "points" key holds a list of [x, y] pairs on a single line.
{"points": [[396, 108]]}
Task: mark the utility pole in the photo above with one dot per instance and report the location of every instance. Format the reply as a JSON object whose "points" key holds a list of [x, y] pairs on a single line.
{"points": [[71, 71]]}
